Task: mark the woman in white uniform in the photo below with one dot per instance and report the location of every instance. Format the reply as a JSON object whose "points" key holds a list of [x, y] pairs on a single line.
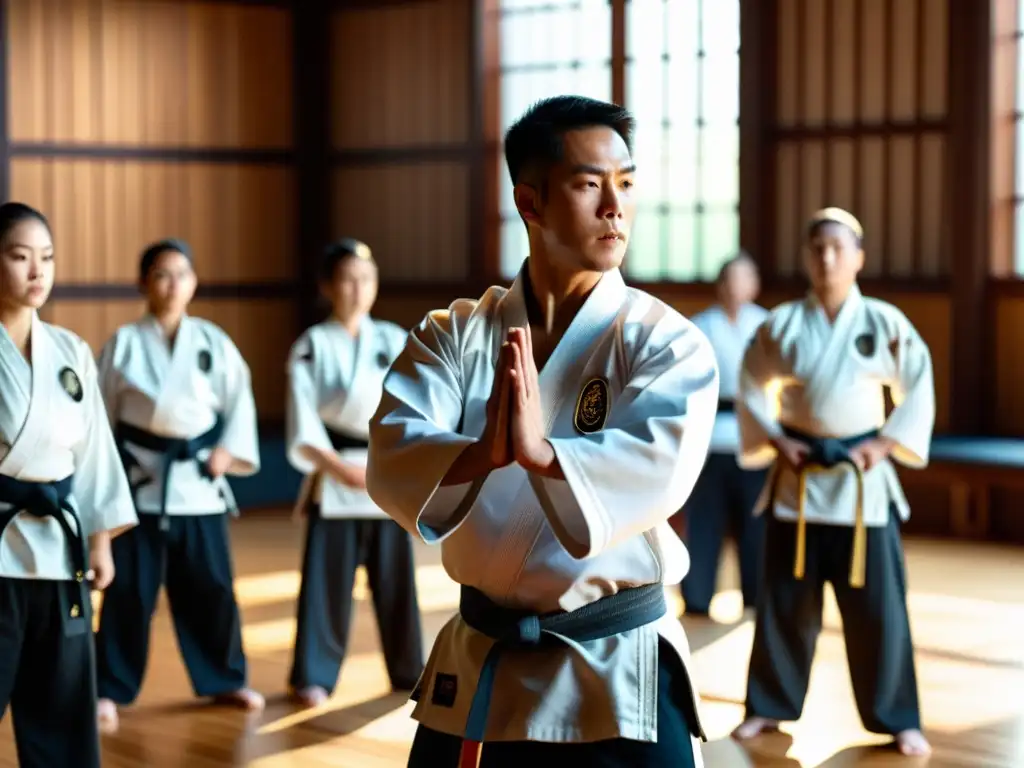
{"points": [[336, 373], [63, 497], [180, 398]]}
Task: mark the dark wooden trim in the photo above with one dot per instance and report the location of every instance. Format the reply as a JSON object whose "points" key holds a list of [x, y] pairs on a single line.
{"points": [[5, 134], [1006, 288], [311, 84], [618, 61], [478, 198], [970, 74], [407, 155], [179, 154], [767, 36], [127, 291], [860, 130]]}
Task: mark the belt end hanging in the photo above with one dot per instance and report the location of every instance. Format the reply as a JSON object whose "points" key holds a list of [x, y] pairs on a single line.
{"points": [[470, 755], [800, 561], [858, 560]]}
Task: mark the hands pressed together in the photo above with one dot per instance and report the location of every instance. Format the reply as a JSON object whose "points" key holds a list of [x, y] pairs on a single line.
{"points": [[515, 428]]}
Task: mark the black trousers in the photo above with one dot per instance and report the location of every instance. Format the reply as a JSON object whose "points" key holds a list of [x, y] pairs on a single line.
{"points": [[193, 560], [47, 675], [335, 548], [876, 627], [723, 498], [676, 723]]}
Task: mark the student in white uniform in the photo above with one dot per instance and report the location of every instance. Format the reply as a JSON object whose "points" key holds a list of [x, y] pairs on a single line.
{"points": [[63, 497], [180, 398], [812, 405], [335, 372], [544, 435], [726, 493]]}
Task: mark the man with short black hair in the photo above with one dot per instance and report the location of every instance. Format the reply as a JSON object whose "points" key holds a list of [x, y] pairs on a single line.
{"points": [[544, 435]]}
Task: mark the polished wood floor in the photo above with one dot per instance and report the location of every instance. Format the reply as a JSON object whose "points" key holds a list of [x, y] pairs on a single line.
{"points": [[967, 607]]}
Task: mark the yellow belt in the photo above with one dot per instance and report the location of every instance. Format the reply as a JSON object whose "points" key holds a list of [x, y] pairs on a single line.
{"points": [[858, 564]]}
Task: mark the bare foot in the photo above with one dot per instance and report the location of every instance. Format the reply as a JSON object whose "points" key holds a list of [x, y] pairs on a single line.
{"points": [[754, 726], [106, 716], [246, 698], [311, 696], [913, 743]]}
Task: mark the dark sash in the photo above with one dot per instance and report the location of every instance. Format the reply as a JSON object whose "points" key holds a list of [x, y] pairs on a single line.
{"points": [[171, 449], [52, 499], [515, 629], [341, 441], [726, 406]]}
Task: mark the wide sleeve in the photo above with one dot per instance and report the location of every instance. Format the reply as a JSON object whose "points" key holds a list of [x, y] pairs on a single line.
{"points": [[911, 422], [100, 486], [639, 470], [241, 436], [414, 435], [757, 406], [303, 425]]}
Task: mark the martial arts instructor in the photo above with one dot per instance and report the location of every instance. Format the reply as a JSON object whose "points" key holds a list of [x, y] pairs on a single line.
{"points": [[543, 435]]}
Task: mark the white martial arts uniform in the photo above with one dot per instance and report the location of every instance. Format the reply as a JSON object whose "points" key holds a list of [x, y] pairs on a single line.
{"points": [[725, 495], [53, 426], [822, 383], [543, 544], [158, 396], [826, 380], [335, 386]]}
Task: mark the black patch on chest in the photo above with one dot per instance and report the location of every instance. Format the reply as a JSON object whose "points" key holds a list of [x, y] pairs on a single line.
{"points": [[71, 384], [382, 360], [445, 689], [205, 360], [865, 344]]}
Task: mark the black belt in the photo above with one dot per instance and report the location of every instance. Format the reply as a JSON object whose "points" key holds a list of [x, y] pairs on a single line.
{"points": [[514, 628], [171, 450], [341, 441], [826, 454], [51, 499], [726, 406]]}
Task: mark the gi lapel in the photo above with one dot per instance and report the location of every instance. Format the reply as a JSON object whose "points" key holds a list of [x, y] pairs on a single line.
{"points": [[820, 382], [559, 377], [172, 367], [45, 383], [360, 378]]}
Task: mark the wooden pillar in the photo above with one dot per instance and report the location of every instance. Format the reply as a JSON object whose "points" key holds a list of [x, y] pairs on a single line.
{"points": [[757, 117], [970, 122], [311, 27]]}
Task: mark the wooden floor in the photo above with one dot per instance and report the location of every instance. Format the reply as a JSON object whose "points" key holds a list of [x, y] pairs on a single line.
{"points": [[967, 610]]}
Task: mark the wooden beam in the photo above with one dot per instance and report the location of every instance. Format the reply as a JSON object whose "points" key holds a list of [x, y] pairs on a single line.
{"points": [[970, 73], [311, 25], [755, 120], [5, 135]]}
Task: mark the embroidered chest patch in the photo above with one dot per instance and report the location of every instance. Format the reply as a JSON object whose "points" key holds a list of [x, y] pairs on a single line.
{"points": [[865, 344], [205, 360], [71, 384], [382, 360], [591, 407]]}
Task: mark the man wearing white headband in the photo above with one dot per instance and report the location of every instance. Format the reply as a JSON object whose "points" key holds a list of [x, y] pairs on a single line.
{"points": [[812, 407]]}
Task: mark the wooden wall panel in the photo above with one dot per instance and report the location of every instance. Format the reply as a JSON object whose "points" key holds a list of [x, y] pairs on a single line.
{"points": [[143, 72], [1009, 365], [239, 219], [413, 217], [401, 75], [861, 85], [262, 331]]}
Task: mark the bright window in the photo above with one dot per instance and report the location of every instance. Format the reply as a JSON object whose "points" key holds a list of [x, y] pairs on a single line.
{"points": [[682, 83]]}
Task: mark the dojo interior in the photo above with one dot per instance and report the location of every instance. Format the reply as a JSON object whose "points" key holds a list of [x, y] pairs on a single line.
{"points": [[259, 131]]}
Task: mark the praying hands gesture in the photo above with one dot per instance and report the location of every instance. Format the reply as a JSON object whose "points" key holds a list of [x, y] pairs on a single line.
{"points": [[530, 448]]}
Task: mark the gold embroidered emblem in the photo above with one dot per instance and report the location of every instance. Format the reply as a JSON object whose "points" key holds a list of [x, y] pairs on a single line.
{"points": [[591, 407], [69, 381], [362, 251]]}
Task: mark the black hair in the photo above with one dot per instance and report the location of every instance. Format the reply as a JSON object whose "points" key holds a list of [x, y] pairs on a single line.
{"points": [[740, 258], [339, 251], [534, 142], [153, 251], [12, 214]]}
